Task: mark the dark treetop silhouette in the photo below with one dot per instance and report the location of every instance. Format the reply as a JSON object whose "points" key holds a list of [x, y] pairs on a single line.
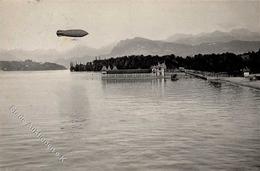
{"points": [[225, 62]]}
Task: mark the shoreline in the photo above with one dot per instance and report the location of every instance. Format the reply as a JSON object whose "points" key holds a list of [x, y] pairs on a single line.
{"points": [[240, 81]]}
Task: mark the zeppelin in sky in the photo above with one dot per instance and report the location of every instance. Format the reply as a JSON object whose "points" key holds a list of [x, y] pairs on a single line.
{"points": [[72, 33]]}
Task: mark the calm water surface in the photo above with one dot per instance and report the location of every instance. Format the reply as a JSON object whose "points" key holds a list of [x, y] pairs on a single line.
{"points": [[127, 125]]}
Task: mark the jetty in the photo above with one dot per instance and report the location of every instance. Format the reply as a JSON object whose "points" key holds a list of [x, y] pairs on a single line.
{"points": [[221, 77], [242, 81], [196, 74]]}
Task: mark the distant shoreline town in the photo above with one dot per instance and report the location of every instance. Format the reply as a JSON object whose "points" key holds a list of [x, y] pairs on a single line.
{"points": [[29, 65]]}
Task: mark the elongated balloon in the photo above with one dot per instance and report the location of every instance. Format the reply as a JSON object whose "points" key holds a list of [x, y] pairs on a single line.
{"points": [[72, 33]]}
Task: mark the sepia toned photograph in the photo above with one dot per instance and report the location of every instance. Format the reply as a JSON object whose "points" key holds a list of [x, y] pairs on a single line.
{"points": [[129, 85]]}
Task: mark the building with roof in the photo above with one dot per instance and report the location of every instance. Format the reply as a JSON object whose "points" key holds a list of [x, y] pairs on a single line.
{"points": [[157, 71]]}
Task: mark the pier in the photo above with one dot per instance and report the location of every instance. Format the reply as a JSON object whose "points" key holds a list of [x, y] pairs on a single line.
{"points": [[220, 78], [196, 74]]}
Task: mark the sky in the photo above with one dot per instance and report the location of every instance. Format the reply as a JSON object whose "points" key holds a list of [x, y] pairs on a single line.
{"points": [[32, 24]]}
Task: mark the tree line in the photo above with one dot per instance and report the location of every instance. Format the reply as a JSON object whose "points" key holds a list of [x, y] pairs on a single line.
{"points": [[224, 62]]}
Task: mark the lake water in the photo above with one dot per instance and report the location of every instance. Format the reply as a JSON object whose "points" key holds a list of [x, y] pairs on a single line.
{"points": [[189, 124]]}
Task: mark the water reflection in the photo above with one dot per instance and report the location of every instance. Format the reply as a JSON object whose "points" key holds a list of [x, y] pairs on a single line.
{"points": [[134, 86], [73, 105]]}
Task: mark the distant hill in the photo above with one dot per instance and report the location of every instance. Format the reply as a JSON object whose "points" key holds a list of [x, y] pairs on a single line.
{"points": [[235, 46], [29, 65], [77, 54], [141, 46], [216, 36]]}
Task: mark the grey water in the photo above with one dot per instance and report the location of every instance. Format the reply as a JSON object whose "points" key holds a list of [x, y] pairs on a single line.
{"points": [[96, 124]]}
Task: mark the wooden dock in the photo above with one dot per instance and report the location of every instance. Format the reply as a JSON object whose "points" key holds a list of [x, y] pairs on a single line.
{"points": [[197, 75]]}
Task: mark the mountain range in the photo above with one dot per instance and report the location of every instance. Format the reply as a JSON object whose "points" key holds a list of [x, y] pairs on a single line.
{"points": [[235, 41], [138, 46], [216, 36]]}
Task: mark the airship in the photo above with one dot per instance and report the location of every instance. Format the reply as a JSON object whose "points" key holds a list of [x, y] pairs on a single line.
{"points": [[72, 33]]}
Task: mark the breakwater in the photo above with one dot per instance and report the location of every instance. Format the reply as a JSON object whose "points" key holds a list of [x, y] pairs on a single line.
{"points": [[222, 77]]}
